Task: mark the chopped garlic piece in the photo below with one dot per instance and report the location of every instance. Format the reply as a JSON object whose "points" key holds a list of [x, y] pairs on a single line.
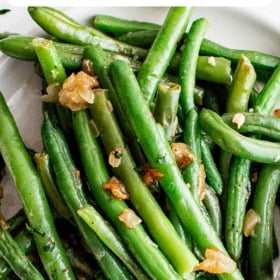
{"points": [[216, 262], [212, 60], [238, 119], [117, 188], [115, 157], [183, 154], [77, 91], [252, 218], [129, 218]]}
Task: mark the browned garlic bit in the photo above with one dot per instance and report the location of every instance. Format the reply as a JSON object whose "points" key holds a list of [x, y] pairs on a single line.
{"points": [[77, 91], [276, 112], [129, 218], [216, 262], [115, 157], [183, 154], [238, 119], [252, 218], [150, 175], [117, 188], [201, 182]]}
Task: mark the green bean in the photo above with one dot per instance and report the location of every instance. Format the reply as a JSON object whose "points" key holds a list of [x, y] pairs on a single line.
{"points": [[26, 245], [71, 188], [187, 67], [165, 111], [230, 140], [212, 205], [260, 60], [237, 198], [136, 238], [71, 55], [46, 174], [140, 196], [142, 38], [193, 172], [269, 95], [115, 25], [161, 158], [265, 125], [243, 81], [260, 244], [66, 29], [109, 237], [152, 69], [34, 200], [213, 175], [13, 255]]}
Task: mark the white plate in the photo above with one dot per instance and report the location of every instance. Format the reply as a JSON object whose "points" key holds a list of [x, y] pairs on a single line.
{"points": [[233, 27]]}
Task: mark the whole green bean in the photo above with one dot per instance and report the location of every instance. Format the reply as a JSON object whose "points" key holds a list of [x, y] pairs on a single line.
{"points": [[115, 25], [187, 67], [65, 28], [153, 69], [265, 125], [260, 244], [232, 141], [160, 156], [237, 198], [32, 195]]}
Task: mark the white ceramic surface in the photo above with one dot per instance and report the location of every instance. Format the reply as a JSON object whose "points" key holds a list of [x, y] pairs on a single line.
{"points": [[252, 28]]}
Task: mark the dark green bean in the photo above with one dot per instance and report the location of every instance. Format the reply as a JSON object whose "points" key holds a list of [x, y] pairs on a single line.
{"points": [[32, 195], [46, 174], [237, 198], [265, 125], [66, 29], [270, 94], [14, 256], [188, 59], [164, 45], [115, 25], [230, 140], [213, 176], [26, 245], [260, 244], [212, 205]]}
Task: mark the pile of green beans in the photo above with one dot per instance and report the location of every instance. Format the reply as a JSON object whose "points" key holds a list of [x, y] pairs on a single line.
{"points": [[195, 150]]}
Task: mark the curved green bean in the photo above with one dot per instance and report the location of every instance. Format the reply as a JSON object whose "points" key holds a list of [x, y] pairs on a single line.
{"points": [[232, 141]]}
